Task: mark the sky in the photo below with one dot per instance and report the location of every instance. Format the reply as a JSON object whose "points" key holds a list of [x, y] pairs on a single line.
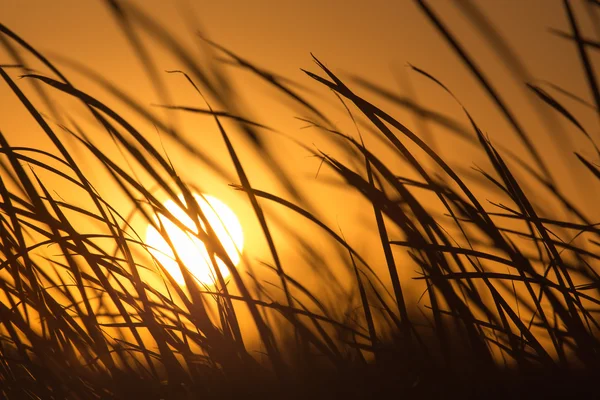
{"points": [[375, 40]]}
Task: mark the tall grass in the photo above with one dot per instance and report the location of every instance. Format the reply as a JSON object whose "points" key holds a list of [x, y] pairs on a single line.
{"points": [[510, 289]]}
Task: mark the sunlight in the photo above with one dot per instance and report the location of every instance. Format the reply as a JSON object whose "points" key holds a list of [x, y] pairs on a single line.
{"points": [[189, 248]]}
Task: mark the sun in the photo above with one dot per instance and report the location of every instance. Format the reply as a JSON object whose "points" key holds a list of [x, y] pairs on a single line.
{"points": [[189, 248]]}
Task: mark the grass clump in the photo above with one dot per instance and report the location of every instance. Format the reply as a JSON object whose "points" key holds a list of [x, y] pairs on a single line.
{"points": [[509, 290]]}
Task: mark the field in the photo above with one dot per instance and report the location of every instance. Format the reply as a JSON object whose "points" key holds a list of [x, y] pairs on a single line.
{"points": [[443, 256]]}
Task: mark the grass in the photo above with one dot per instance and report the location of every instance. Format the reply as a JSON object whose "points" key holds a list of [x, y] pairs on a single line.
{"points": [[511, 291]]}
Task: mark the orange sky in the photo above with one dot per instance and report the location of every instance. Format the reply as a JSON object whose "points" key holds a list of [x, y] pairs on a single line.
{"points": [[372, 39]]}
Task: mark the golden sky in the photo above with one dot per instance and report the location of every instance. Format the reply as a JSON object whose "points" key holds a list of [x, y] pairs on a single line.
{"points": [[372, 39]]}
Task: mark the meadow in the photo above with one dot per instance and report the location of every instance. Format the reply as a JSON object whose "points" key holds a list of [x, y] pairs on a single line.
{"points": [[451, 278]]}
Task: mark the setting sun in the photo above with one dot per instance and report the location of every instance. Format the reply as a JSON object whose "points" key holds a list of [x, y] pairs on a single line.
{"points": [[189, 248]]}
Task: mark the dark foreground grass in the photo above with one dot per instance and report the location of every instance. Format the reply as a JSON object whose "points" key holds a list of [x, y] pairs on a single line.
{"points": [[511, 291]]}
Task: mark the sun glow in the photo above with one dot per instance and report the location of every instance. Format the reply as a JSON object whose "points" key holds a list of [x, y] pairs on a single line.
{"points": [[189, 248]]}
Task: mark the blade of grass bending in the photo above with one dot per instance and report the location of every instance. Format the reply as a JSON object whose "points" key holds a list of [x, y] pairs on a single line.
{"points": [[594, 45], [542, 94], [570, 95], [220, 114]]}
